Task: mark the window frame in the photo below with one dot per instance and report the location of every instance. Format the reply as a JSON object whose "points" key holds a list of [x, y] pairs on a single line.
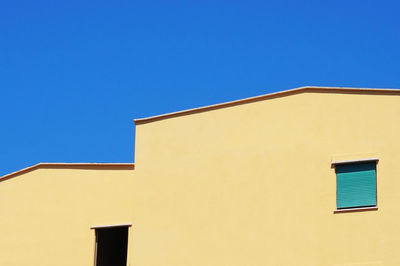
{"points": [[361, 208]]}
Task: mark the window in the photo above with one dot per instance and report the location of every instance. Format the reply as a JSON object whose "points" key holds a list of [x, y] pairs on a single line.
{"points": [[355, 184], [111, 245]]}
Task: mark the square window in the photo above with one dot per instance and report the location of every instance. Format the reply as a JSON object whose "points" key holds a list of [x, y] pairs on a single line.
{"points": [[356, 184]]}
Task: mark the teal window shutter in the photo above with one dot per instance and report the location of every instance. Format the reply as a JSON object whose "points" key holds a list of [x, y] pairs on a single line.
{"points": [[356, 184]]}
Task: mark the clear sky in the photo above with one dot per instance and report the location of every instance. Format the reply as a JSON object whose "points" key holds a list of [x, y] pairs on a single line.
{"points": [[74, 74]]}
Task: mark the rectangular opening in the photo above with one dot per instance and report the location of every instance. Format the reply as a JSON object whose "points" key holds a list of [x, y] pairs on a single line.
{"points": [[111, 246], [356, 184]]}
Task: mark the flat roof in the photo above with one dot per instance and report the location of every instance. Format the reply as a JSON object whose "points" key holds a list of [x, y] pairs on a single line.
{"points": [[270, 96], [66, 165]]}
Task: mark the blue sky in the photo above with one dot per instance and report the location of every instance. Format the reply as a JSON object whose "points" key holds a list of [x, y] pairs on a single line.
{"points": [[74, 74]]}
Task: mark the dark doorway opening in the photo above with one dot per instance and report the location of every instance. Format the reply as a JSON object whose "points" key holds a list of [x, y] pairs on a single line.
{"points": [[111, 246]]}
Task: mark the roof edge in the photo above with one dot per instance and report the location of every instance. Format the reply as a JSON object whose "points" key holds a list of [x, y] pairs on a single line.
{"points": [[264, 97], [58, 165]]}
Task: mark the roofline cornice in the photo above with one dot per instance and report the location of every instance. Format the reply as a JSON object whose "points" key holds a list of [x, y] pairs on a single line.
{"points": [[66, 165], [269, 96]]}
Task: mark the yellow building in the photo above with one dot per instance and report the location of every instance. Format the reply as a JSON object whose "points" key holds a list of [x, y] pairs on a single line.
{"points": [[308, 176]]}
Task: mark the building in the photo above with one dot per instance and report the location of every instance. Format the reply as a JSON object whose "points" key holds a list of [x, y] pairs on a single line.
{"points": [[308, 176]]}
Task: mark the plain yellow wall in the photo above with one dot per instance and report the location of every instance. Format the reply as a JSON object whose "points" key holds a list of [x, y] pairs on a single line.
{"points": [[46, 214], [252, 184]]}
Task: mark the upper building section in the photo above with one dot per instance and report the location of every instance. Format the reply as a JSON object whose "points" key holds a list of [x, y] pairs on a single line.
{"points": [[227, 182]]}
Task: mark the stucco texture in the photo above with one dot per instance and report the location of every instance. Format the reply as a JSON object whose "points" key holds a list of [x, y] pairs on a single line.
{"points": [[253, 184]]}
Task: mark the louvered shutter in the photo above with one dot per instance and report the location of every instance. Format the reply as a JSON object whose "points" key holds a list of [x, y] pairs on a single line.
{"points": [[356, 184]]}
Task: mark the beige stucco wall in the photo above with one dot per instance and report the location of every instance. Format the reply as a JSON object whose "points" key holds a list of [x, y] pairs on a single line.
{"points": [[46, 213], [252, 184]]}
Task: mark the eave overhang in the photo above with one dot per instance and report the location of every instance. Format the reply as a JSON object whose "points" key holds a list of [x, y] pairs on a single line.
{"points": [[127, 166], [346, 90]]}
